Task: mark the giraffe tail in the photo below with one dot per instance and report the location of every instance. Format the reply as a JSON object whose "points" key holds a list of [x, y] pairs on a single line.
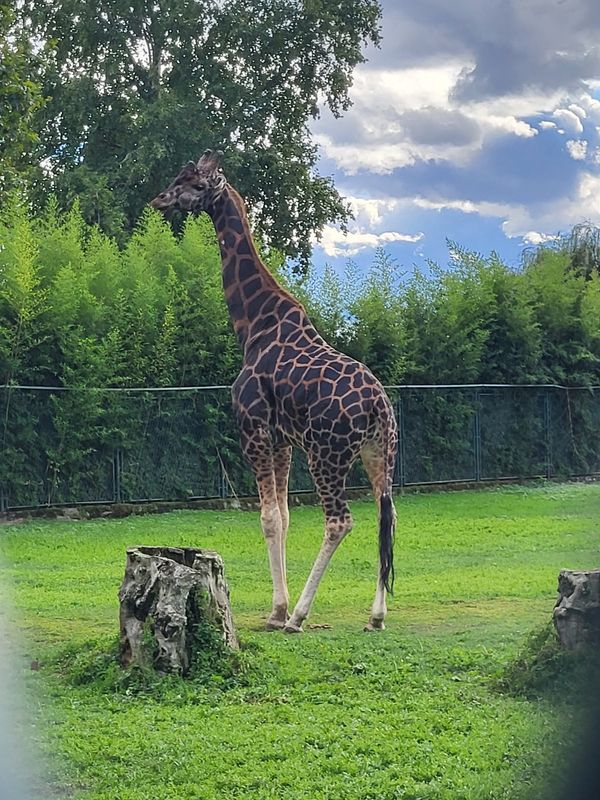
{"points": [[386, 542], [387, 514]]}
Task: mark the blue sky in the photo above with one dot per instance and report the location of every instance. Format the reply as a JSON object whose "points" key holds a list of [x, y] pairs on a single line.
{"points": [[477, 121]]}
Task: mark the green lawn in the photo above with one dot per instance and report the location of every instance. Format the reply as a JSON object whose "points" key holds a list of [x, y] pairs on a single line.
{"points": [[336, 713]]}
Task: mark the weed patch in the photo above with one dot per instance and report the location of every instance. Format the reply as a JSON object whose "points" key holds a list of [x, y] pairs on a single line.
{"points": [[543, 667], [96, 664]]}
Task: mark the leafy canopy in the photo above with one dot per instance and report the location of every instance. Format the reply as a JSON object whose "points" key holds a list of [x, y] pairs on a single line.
{"points": [[20, 97], [137, 88]]}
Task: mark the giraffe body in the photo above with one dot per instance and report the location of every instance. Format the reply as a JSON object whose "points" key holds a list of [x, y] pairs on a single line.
{"points": [[293, 390]]}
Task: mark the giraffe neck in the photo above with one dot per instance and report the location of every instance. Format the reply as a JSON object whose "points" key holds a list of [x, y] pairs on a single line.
{"points": [[253, 296]]}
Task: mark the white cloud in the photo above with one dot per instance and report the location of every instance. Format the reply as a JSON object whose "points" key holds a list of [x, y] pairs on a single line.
{"points": [[400, 117], [510, 124], [371, 212], [568, 120], [336, 243], [577, 149], [558, 214], [491, 77], [578, 110], [536, 223], [537, 238], [380, 158], [483, 208], [403, 89], [588, 102]]}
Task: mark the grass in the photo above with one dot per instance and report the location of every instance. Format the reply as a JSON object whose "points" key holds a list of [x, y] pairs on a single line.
{"points": [[336, 713]]}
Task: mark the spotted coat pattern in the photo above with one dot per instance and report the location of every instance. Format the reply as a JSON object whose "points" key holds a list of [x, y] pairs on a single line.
{"points": [[293, 390]]}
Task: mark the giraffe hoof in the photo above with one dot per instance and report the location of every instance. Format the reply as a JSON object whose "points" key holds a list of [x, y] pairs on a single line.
{"points": [[374, 625], [291, 628], [275, 624]]}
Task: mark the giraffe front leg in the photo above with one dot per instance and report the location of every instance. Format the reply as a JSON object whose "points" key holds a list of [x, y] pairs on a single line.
{"points": [[272, 528], [282, 459], [259, 452]]}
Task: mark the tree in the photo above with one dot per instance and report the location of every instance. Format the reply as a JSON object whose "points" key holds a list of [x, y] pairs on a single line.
{"points": [[20, 97], [562, 300], [379, 336], [581, 247], [137, 88]]}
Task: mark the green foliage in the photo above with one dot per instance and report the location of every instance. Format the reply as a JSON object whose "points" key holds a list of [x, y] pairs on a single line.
{"points": [[543, 667], [134, 90], [565, 304], [75, 310], [211, 661], [95, 664], [379, 337], [78, 311], [334, 713], [476, 321], [20, 99], [581, 248], [23, 299]]}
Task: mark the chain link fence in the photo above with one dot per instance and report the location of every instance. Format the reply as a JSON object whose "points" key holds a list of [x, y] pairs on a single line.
{"points": [[77, 446]]}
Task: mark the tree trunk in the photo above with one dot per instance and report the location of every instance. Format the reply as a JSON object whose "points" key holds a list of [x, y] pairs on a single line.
{"points": [[577, 610], [167, 593]]}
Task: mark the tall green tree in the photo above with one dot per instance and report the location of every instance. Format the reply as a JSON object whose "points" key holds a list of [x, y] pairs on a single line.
{"points": [[580, 247], [138, 87], [379, 335], [20, 97]]}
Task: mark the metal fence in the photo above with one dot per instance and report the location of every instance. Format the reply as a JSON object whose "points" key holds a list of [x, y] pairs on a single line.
{"points": [[76, 446]]}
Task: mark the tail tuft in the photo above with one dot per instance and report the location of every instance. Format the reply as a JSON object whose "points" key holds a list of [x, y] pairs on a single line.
{"points": [[386, 542]]}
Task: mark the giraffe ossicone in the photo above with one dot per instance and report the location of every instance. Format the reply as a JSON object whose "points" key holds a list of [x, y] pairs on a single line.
{"points": [[294, 390]]}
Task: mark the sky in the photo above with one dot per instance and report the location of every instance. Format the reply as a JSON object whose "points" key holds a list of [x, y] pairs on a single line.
{"points": [[476, 121]]}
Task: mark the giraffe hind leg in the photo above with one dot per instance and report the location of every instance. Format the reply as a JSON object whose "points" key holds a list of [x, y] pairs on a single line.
{"points": [[377, 469], [330, 485]]}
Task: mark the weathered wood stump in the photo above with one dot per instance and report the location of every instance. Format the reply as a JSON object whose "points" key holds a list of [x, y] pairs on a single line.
{"points": [[577, 610], [166, 594]]}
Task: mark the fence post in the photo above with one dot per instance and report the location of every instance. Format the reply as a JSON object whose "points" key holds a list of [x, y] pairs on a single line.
{"points": [[117, 470], [3, 500], [400, 454], [546, 428], [477, 435]]}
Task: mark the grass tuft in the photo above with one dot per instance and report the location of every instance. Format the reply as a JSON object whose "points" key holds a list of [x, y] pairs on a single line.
{"points": [[95, 664], [544, 667]]}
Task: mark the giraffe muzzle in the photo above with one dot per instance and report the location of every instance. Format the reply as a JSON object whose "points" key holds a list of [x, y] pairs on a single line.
{"points": [[160, 202]]}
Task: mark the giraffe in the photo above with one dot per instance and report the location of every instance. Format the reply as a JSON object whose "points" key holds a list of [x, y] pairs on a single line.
{"points": [[293, 390]]}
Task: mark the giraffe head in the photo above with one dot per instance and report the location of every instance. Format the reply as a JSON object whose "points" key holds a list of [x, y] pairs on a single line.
{"points": [[197, 187]]}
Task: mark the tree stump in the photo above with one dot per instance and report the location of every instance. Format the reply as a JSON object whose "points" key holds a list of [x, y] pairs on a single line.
{"points": [[166, 594], [577, 610]]}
